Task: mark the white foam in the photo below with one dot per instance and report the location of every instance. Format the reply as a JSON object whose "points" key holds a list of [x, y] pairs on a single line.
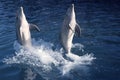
{"points": [[44, 60], [30, 75], [78, 45]]}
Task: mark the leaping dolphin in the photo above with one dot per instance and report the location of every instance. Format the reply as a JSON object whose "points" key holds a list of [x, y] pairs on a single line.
{"points": [[23, 29], [69, 28]]}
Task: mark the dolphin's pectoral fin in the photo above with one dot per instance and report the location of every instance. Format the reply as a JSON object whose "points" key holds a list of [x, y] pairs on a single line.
{"points": [[23, 37], [77, 30], [33, 26], [71, 28], [20, 35]]}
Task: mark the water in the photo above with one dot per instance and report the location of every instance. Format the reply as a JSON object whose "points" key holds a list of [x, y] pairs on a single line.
{"points": [[100, 39]]}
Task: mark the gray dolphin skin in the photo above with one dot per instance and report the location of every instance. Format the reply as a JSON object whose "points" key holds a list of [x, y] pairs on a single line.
{"points": [[69, 28], [23, 29]]}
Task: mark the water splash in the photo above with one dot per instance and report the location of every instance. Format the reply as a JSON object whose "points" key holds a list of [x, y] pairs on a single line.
{"points": [[49, 63], [30, 75]]}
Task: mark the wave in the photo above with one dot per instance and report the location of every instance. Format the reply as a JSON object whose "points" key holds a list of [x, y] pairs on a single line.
{"points": [[48, 63]]}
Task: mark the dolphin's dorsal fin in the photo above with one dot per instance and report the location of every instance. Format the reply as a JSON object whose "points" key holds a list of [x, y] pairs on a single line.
{"points": [[77, 29], [33, 26]]}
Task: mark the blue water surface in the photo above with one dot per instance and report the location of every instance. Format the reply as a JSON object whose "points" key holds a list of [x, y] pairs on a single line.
{"points": [[100, 36]]}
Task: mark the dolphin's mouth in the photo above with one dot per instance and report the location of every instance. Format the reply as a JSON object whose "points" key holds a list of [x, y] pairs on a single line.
{"points": [[21, 8], [72, 5], [20, 13]]}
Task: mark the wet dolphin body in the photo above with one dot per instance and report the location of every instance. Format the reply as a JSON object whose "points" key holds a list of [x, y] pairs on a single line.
{"points": [[69, 28], [23, 29]]}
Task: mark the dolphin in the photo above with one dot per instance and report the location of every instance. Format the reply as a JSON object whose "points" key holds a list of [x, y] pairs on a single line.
{"points": [[69, 28], [23, 28]]}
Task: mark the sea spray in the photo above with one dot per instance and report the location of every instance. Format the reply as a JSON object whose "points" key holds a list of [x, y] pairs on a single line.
{"points": [[45, 61]]}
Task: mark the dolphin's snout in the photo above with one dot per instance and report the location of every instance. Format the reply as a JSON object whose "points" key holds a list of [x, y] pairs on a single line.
{"points": [[21, 12], [21, 8], [73, 5], [72, 8]]}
